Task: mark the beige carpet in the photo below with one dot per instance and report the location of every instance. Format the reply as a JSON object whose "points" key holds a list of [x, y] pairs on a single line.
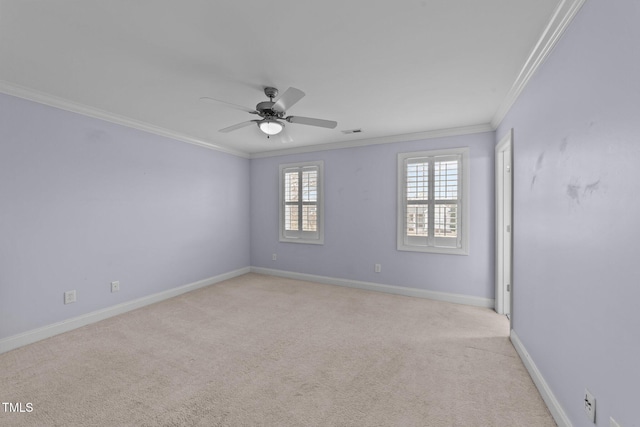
{"points": [[265, 351]]}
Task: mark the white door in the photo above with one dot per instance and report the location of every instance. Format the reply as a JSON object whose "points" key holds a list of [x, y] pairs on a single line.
{"points": [[504, 214]]}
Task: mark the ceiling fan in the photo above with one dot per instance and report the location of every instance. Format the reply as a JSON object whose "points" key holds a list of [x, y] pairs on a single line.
{"points": [[273, 114]]}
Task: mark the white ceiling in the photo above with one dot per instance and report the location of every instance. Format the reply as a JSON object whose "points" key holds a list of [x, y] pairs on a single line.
{"points": [[386, 67]]}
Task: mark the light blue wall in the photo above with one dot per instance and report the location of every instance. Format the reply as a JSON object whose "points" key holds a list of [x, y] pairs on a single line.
{"points": [[360, 220], [576, 229], [84, 202]]}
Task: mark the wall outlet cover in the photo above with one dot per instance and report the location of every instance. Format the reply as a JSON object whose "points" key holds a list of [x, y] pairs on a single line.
{"points": [[69, 297], [590, 405]]}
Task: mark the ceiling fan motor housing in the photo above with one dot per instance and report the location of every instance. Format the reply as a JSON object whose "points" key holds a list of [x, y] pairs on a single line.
{"points": [[265, 109]]}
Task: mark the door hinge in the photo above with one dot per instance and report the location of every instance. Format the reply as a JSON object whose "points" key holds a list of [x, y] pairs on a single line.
{"points": [[508, 228], [508, 287]]}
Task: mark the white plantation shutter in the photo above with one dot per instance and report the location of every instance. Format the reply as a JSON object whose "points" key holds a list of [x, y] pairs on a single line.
{"points": [[431, 201], [300, 202]]}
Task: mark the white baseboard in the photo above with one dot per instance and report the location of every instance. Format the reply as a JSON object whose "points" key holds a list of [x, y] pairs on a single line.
{"points": [[38, 334], [398, 290], [547, 395]]}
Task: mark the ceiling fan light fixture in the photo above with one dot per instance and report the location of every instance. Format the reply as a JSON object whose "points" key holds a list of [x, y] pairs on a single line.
{"points": [[270, 127]]}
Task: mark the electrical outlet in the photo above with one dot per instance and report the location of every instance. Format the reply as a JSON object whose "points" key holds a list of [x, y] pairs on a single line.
{"points": [[274, 257], [69, 297], [590, 405], [115, 286], [613, 423], [377, 268]]}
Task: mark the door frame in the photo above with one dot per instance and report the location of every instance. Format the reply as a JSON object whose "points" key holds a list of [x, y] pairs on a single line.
{"points": [[504, 225]]}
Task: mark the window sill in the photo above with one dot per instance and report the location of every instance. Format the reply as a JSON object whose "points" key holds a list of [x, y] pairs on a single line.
{"points": [[303, 241], [433, 250]]}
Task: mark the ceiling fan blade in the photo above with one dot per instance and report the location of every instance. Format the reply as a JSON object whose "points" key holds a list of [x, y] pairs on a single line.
{"points": [[287, 99], [313, 122], [238, 126], [228, 104]]}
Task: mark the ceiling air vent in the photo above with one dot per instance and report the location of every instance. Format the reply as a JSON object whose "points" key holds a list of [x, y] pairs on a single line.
{"points": [[349, 131]]}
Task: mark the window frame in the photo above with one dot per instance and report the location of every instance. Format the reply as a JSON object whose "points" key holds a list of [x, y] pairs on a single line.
{"points": [[405, 242], [314, 238]]}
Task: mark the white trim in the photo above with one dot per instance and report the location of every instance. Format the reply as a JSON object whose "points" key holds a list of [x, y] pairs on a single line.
{"points": [[560, 20], [463, 202], [389, 289], [547, 395], [439, 133], [85, 110], [48, 331], [505, 143], [302, 237]]}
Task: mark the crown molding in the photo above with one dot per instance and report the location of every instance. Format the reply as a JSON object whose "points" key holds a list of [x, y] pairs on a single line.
{"points": [[74, 107], [560, 20], [438, 133]]}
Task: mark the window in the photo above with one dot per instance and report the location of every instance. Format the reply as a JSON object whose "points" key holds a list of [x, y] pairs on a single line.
{"points": [[301, 203], [433, 201]]}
